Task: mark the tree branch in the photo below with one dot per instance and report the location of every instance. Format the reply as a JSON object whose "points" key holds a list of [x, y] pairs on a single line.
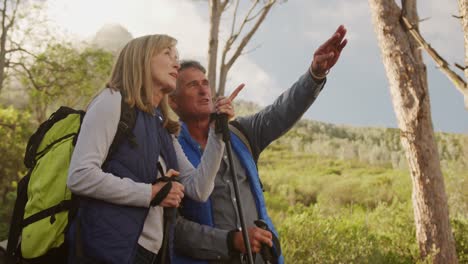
{"points": [[249, 35], [29, 74], [13, 15], [10, 126], [251, 50], [4, 17], [223, 5], [459, 83], [233, 36], [463, 68], [246, 18], [257, 14], [234, 18]]}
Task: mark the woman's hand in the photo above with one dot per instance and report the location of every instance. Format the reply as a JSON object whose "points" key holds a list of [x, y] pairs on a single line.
{"points": [[175, 195]]}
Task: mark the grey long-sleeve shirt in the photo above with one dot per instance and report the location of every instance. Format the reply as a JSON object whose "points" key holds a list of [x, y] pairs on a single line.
{"points": [[210, 243]]}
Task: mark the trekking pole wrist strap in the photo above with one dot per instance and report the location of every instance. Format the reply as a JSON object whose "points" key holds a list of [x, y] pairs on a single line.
{"points": [[163, 192]]}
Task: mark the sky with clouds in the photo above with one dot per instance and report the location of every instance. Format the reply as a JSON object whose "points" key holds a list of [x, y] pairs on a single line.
{"points": [[357, 90]]}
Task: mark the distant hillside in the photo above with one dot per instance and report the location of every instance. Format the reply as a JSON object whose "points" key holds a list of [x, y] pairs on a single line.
{"points": [[376, 146]]}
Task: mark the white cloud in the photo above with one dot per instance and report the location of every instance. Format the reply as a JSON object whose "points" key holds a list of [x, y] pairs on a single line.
{"points": [[325, 17], [260, 87], [180, 19]]}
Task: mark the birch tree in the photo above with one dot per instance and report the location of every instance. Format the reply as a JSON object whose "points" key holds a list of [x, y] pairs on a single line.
{"points": [[407, 77], [8, 11], [463, 6], [240, 34]]}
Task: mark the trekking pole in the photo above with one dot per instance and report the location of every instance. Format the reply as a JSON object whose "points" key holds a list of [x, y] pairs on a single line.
{"points": [[222, 127], [169, 216], [265, 251]]}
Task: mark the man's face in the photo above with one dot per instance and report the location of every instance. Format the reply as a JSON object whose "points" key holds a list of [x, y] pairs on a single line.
{"points": [[193, 96]]}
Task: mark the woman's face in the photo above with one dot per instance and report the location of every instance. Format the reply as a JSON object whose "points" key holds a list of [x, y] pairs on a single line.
{"points": [[164, 67]]}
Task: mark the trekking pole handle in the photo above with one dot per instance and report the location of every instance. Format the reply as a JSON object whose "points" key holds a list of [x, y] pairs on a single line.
{"points": [[221, 125], [264, 251]]}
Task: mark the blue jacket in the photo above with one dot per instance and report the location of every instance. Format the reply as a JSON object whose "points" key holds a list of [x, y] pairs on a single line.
{"points": [[202, 212], [110, 232]]}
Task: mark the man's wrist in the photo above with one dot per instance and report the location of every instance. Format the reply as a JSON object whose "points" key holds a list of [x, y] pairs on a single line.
{"points": [[318, 77], [230, 241]]}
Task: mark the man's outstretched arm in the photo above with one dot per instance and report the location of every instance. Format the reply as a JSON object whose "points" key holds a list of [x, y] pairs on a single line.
{"points": [[276, 119]]}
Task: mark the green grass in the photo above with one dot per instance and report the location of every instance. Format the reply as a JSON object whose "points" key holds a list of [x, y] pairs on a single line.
{"points": [[345, 211]]}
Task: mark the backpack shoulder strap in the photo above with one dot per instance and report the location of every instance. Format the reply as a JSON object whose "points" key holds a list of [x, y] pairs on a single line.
{"points": [[241, 136], [16, 223], [125, 128], [238, 130]]}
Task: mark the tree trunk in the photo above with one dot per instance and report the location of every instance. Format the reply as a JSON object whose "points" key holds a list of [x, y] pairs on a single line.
{"points": [[3, 38], [463, 5], [406, 73], [222, 79], [215, 17]]}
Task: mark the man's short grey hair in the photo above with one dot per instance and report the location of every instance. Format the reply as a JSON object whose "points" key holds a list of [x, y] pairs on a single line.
{"points": [[185, 64]]}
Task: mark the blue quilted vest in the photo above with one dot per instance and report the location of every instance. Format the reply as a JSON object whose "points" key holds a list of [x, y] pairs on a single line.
{"points": [[202, 212], [110, 232]]}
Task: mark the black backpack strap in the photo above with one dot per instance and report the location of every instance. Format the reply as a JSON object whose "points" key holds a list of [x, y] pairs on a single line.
{"points": [[16, 224], [64, 205], [125, 128]]}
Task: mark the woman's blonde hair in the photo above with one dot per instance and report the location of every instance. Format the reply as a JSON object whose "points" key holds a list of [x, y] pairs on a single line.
{"points": [[131, 75]]}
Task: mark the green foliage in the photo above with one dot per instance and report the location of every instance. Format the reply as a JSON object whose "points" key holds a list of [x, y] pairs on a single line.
{"points": [[15, 129], [374, 146], [353, 235], [63, 75], [308, 179], [330, 210], [460, 231]]}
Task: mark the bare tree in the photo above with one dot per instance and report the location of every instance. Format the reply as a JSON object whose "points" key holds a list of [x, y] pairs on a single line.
{"points": [[8, 11], [255, 16], [22, 23], [407, 76], [443, 65], [463, 6]]}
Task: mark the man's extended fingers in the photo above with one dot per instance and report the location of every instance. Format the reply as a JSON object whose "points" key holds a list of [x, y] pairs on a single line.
{"points": [[342, 45], [236, 92], [336, 38], [332, 40]]}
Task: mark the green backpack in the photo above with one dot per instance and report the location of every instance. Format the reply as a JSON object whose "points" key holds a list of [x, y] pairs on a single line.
{"points": [[44, 206]]}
